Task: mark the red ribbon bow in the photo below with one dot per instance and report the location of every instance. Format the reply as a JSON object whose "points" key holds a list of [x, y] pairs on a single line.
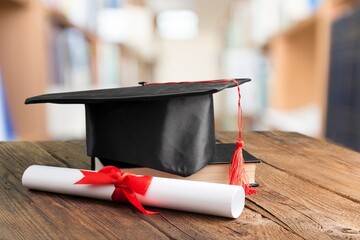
{"points": [[126, 184]]}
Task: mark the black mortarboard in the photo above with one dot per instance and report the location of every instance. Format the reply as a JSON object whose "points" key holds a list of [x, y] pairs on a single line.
{"points": [[168, 127]]}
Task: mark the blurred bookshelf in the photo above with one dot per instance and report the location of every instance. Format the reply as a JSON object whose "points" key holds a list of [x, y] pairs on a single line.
{"points": [[300, 57], [257, 43], [55, 46], [62, 45], [284, 46]]}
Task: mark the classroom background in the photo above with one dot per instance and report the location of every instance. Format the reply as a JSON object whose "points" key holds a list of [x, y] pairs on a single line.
{"points": [[303, 57]]}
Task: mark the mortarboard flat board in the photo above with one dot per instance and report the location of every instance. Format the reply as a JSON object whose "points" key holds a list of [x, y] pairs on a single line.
{"points": [[167, 127]]}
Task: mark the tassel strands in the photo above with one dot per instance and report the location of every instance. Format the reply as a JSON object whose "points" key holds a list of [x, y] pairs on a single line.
{"points": [[237, 174]]}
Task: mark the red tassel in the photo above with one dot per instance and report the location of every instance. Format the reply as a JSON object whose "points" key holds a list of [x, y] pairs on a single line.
{"points": [[237, 174], [236, 167]]}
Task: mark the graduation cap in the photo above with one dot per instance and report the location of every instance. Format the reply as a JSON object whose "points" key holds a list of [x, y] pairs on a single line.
{"points": [[167, 127]]}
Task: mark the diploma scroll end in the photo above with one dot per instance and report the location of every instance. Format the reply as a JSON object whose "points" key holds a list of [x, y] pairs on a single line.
{"points": [[238, 202]]}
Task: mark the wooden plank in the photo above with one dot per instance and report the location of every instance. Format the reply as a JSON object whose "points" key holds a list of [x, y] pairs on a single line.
{"points": [[300, 207], [67, 151], [250, 225], [307, 209], [312, 160], [71, 154], [312, 210], [46, 215], [19, 217], [307, 158]]}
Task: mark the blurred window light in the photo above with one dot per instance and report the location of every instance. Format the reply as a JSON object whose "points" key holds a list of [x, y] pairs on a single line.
{"points": [[131, 25], [177, 24]]}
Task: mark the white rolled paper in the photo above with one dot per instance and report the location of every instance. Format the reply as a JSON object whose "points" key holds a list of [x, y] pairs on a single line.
{"points": [[193, 196]]}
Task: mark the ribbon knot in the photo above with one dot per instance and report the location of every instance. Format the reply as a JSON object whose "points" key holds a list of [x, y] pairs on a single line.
{"points": [[126, 185]]}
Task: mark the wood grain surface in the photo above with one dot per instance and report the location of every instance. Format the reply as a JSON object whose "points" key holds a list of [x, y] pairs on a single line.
{"points": [[309, 189]]}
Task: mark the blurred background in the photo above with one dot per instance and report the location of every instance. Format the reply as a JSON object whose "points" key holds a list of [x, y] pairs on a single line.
{"points": [[303, 57]]}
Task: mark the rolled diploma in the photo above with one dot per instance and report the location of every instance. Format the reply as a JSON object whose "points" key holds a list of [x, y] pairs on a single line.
{"points": [[193, 196]]}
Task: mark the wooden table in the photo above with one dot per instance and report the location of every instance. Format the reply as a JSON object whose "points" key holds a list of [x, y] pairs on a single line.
{"points": [[309, 189]]}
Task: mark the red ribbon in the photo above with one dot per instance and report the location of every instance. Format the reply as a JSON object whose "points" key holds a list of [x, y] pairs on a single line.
{"points": [[126, 184]]}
